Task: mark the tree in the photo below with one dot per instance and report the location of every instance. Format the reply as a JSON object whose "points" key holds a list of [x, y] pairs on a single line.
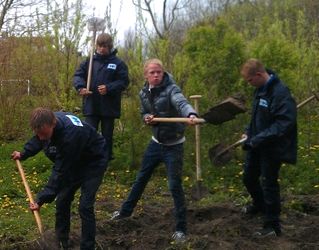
{"points": [[14, 15], [164, 24]]}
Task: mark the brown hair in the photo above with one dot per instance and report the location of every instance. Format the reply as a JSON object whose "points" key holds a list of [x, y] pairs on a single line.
{"points": [[153, 61], [105, 39], [252, 66], [40, 117]]}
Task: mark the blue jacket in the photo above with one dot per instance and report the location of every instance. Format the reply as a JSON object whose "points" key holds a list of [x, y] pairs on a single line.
{"points": [[108, 70], [79, 153], [165, 100], [273, 126]]}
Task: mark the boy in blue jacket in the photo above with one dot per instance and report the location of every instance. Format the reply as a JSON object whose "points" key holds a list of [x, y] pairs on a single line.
{"points": [[80, 161], [271, 141], [102, 102]]}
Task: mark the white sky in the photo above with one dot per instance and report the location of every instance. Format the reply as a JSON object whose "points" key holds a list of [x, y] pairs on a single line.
{"points": [[122, 20]]}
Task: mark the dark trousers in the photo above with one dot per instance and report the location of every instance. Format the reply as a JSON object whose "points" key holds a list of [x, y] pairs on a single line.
{"points": [[260, 177], [172, 156], [88, 187], [107, 127]]}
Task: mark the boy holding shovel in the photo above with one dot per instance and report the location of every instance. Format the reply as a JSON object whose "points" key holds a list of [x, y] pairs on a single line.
{"points": [[271, 140], [161, 97], [80, 161]]}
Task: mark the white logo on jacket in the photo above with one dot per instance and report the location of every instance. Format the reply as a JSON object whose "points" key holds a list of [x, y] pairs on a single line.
{"points": [[263, 102], [75, 120], [111, 66]]}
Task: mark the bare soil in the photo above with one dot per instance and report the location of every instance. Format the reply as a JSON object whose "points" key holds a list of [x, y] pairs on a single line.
{"points": [[216, 226]]}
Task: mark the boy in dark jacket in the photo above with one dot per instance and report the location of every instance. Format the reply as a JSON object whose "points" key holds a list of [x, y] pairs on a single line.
{"points": [[271, 141], [161, 97], [102, 102], [79, 163]]}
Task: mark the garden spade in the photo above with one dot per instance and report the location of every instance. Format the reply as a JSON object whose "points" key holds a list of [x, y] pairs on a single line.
{"points": [[199, 188], [220, 154], [27, 189], [177, 119], [95, 24]]}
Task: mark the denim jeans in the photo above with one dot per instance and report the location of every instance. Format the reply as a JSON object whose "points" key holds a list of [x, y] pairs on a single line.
{"points": [[107, 128], [260, 177], [172, 156], [88, 187]]}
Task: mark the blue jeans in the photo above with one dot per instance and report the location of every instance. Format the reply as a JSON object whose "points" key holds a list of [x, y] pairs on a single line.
{"points": [[89, 187], [172, 156], [261, 172], [107, 127]]}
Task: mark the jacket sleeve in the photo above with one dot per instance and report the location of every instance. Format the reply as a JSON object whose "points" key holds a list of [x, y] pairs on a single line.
{"points": [[121, 80], [31, 148], [50, 190], [284, 114], [80, 76], [180, 103]]}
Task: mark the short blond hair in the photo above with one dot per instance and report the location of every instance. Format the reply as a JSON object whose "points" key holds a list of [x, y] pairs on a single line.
{"points": [[153, 61], [251, 67]]}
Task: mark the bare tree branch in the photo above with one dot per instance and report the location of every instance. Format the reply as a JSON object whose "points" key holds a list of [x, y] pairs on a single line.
{"points": [[169, 14]]}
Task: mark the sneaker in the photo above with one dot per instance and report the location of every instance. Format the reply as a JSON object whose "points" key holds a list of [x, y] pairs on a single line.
{"points": [[251, 210], [179, 236], [117, 216], [267, 232]]}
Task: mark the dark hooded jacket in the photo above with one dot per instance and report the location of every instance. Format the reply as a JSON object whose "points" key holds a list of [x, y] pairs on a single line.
{"points": [[165, 100], [79, 154], [273, 126], [110, 71]]}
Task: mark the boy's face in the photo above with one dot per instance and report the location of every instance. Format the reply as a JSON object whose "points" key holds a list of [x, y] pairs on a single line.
{"points": [[256, 80], [45, 132], [102, 49], [154, 74]]}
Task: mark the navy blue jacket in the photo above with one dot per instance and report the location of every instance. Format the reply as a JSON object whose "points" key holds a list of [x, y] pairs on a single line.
{"points": [[80, 153], [273, 126], [110, 71], [165, 100]]}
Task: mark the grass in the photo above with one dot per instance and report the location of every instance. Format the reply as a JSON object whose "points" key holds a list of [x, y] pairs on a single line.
{"points": [[223, 183]]}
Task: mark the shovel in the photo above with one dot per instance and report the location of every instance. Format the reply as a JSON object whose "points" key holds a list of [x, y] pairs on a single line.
{"points": [[218, 114], [220, 154], [95, 24], [177, 119], [27, 189]]}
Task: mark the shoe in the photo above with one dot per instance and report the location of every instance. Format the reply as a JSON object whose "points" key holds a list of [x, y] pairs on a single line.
{"points": [[251, 210], [267, 232], [179, 236], [65, 245], [118, 216]]}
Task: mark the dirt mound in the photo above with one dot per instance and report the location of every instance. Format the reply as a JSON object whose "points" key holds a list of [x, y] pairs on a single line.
{"points": [[219, 226]]}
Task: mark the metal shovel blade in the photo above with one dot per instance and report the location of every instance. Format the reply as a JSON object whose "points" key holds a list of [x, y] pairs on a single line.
{"points": [[225, 111], [218, 156]]}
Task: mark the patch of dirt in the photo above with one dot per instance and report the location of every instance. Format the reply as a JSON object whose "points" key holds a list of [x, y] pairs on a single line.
{"points": [[217, 226]]}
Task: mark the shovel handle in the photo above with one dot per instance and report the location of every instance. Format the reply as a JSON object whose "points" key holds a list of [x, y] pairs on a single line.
{"points": [[237, 143], [88, 82], [27, 189], [177, 119]]}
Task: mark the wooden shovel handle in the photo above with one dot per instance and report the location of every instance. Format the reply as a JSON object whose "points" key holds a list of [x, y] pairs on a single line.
{"points": [[27, 189], [234, 145], [89, 78], [177, 119]]}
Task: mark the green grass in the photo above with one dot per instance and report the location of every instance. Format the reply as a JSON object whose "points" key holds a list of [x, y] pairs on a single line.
{"points": [[223, 183]]}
